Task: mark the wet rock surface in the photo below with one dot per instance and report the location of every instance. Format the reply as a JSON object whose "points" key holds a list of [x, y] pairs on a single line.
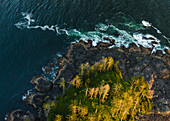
{"points": [[134, 60]]}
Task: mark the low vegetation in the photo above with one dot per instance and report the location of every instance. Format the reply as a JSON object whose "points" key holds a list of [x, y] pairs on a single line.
{"points": [[99, 93]]}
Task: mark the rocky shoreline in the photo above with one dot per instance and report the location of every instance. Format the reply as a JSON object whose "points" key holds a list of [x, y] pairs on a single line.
{"points": [[134, 60]]}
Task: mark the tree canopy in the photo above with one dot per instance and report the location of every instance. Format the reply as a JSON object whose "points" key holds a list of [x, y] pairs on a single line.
{"points": [[99, 93]]}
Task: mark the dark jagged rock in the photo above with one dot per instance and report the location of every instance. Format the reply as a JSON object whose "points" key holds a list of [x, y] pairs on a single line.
{"points": [[20, 115], [159, 53], [112, 41], [35, 100], [51, 64], [145, 38], [153, 117], [145, 51], [151, 38], [47, 69], [88, 44], [41, 84], [103, 44], [167, 51], [66, 73], [148, 38], [42, 114], [107, 38], [133, 47], [154, 42]]}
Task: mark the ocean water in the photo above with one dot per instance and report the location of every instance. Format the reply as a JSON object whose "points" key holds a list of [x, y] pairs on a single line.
{"points": [[33, 33]]}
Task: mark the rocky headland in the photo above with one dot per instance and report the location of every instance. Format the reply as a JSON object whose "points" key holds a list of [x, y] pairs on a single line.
{"points": [[133, 60]]}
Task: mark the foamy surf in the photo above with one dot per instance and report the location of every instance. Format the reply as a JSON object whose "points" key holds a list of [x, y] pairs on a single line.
{"points": [[148, 24], [50, 70], [28, 20], [28, 92], [6, 117], [101, 30]]}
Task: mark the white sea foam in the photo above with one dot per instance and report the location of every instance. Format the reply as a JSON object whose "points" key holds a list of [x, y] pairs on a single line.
{"points": [[157, 30], [28, 20], [124, 39], [6, 117], [59, 55], [101, 30], [102, 27], [28, 92], [43, 69], [146, 23]]}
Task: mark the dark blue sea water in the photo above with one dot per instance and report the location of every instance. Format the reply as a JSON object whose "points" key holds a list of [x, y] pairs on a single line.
{"points": [[33, 33]]}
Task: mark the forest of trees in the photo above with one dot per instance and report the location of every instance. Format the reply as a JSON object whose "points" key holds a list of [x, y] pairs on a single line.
{"points": [[99, 93]]}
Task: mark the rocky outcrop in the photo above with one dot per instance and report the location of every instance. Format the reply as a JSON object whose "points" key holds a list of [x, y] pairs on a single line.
{"points": [[132, 61], [20, 115], [42, 84]]}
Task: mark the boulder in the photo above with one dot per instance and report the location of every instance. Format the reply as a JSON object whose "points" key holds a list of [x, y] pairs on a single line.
{"points": [[35, 100]]}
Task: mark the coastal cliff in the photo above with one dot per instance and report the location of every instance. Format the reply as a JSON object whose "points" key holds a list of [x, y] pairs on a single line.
{"points": [[134, 60]]}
